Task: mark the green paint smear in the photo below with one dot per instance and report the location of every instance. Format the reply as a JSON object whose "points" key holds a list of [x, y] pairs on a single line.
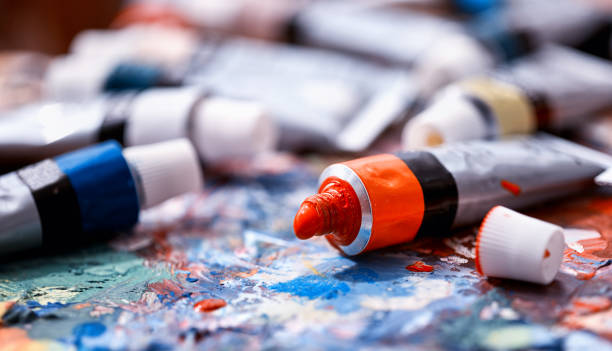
{"points": [[92, 274]]}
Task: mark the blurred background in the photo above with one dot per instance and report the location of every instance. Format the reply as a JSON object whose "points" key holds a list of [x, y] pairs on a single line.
{"points": [[319, 75]]}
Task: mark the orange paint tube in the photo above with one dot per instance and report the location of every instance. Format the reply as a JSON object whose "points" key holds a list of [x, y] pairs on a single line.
{"points": [[384, 200]]}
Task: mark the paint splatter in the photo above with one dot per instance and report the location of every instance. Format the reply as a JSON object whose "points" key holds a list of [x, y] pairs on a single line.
{"points": [[209, 305], [313, 287], [513, 188], [420, 266]]}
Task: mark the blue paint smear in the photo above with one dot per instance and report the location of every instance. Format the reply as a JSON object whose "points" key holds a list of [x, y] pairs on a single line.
{"points": [[88, 330], [358, 274], [46, 309], [313, 287], [190, 279]]}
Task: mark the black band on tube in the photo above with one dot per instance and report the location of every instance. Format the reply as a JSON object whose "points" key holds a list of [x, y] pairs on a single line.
{"points": [[56, 201], [119, 108], [439, 191], [486, 114]]}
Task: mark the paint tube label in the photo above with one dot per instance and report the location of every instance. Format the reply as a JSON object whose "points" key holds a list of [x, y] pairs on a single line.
{"points": [[566, 21], [35, 132], [312, 94], [396, 37], [20, 227], [514, 173], [570, 84]]}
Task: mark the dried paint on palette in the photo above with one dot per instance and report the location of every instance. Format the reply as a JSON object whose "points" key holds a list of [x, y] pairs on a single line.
{"points": [[223, 269]]}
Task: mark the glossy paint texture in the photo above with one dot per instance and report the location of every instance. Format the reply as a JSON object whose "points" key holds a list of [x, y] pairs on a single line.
{"points": [[234, 242]]}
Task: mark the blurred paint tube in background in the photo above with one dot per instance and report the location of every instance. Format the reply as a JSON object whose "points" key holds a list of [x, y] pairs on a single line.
{"points": [[319, 99], [461, 7], [444, 48], [81, 196], [553, 89], [135, 58], [502, 36], [596, 133], [356, 27], [21, 77], [220, 128]]}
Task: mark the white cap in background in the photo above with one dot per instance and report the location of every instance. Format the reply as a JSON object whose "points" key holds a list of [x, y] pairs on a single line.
{"points": [[165, 170], [227, 128], [514, 246], [450, 118], [220, 128], [452, 57], [152, 44], [75, 77]]}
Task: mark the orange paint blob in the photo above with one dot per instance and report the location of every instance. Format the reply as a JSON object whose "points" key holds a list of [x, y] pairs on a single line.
{"points": [[334, 210], [419, 266], [511, 187], [209, 305]]}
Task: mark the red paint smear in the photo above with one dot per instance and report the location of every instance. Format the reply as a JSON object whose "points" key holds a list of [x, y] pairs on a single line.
{"points": [[166, 287], [589, 312], [590, 304], [420, 266], [511, 187], [590, 211], [209, 305]]}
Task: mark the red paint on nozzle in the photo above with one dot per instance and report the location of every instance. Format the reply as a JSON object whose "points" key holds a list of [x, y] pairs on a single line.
{"points": [[334, 210]]}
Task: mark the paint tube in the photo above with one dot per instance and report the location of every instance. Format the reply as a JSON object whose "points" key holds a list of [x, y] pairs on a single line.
{"points": [[356, 27], [502, 36], [596, 133], [21, 78], [396, 37], [320, 100], [373, 202], [468, 7], [84, 195], [220, 128], [552, 89]]}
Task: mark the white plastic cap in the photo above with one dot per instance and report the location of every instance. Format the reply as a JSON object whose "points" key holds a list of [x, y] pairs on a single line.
{"points": [[450, 118], [512, 245], [160, 114], [77, 77], [143, 43], [165, 170], [221, 128], [227, 128], [449, 59]]}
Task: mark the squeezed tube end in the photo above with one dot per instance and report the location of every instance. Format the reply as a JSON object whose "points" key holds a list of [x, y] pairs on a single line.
{"points": [[335, 210]]}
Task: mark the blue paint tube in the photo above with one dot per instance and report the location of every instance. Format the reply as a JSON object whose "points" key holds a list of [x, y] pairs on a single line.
{"points": [[84, 195]]}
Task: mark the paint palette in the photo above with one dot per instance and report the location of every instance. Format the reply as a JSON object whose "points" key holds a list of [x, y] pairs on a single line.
{"points": [[223, 269]]}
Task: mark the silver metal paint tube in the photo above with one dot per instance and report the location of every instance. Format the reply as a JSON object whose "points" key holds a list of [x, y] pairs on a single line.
{"points": [[220, 128], [320, 99], [553, 89], [517, 173]]}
